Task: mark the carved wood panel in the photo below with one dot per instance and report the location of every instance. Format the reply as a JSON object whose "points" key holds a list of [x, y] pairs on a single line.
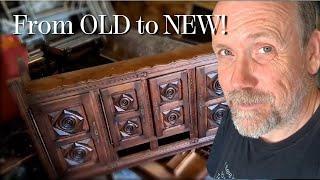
{"points": [[170, 103], [66, 123], [126, 113], [216, 113], [98, 120], [77, 154], [212, 108]]}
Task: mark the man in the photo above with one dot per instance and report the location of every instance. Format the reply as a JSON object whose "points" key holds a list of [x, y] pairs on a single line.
{"points": [[267, 66]]}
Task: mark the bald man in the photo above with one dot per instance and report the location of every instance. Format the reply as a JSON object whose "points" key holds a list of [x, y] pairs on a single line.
{"points": [[267, 64]]}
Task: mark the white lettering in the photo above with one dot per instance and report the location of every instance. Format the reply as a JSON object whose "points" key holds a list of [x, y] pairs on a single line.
{"points": [[17, 23], [155, 29], [140, 26], [95, 24], [176, 28], [186, 23], [68, 25], [204, 21], [47, 27], [116, 24]]}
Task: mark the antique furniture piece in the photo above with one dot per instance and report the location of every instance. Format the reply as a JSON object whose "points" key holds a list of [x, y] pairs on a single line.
{"points": [[104, 118]]}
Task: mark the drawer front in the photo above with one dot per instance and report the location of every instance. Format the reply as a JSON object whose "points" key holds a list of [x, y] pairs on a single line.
{"points": [[126, 112], [71, 128], [216, 113], [212, 108], [77, 155], [170, 101]]}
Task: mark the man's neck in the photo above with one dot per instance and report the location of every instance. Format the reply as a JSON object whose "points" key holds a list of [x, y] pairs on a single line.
{"points": [[311, 103]]}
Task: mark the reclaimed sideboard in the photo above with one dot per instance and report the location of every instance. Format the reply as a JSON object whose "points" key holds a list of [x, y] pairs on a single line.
{"points": [[101, 119]]}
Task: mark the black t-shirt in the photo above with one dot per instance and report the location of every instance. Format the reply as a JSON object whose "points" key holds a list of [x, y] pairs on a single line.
{"points": [[235, 156]]}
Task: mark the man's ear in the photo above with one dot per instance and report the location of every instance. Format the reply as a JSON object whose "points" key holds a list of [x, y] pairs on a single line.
{"points": [[313, 52]]}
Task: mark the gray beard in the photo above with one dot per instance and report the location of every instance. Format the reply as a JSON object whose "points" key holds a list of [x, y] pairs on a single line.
{"points": [[251, 124], [254, 124]]}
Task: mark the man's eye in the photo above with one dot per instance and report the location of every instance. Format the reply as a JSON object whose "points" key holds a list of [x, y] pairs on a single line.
{"points": [[225, 52], [264, 54], [265, 49]]}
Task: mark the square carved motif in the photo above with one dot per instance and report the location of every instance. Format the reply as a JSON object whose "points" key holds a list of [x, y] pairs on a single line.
{"points": [[170, 91], [130, 128], [173, 117], [125, 101], [213, 85], [216, 114], [69, 121], [79, 152]]}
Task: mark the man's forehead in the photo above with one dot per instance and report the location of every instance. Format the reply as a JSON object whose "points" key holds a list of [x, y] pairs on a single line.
{"points": [[234, 7], [253, 19]]}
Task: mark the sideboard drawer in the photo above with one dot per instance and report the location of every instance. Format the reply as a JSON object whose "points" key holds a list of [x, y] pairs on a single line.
{"points": [[126, 114], [70, 127], [170, 101], [212, 108], [77, 155]]}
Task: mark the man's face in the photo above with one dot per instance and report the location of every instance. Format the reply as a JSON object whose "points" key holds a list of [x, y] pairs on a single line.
{"points": [[261, 65]]}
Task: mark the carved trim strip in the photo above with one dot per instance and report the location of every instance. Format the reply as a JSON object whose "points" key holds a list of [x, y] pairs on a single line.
{"points": [[107, 81], [40, 137], [88, 85], [105, 118]]}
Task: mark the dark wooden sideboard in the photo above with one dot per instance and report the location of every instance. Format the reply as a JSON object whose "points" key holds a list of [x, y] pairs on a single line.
{"points": [[101, 119]]}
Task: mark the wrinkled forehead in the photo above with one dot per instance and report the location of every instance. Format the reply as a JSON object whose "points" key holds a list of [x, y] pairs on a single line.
{"points": [[244, 16], [249, 8]]}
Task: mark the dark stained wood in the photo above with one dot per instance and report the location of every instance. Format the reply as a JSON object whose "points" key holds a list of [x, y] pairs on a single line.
{"points": [[132, 65], [58, 123], [211, 106], [99, 120], [126, 113], [170, 101], [193, 103], [143, 157]]}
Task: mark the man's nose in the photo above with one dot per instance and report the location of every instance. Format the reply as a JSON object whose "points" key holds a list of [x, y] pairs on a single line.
{"points": [[242, 76]]}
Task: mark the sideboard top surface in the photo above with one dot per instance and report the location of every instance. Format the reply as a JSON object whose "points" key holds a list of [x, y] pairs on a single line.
{"points": [[118, 68]]}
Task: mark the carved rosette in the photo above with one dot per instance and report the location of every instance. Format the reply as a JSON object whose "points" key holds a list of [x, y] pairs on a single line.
{"points": [[123, 102], [169, 91], [69, 122], [78, 153], [214, 85], [173, 117], [216, 114], [130, 128]]}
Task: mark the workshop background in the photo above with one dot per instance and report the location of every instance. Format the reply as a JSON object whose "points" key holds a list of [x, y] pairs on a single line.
{"points": [[18, 159]]}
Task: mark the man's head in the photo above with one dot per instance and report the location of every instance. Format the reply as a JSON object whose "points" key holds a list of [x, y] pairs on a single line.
{"points": [[267, 62]]}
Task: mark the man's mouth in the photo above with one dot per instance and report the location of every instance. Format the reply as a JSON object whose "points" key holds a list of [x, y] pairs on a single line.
{"points": [[248, 107]]}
